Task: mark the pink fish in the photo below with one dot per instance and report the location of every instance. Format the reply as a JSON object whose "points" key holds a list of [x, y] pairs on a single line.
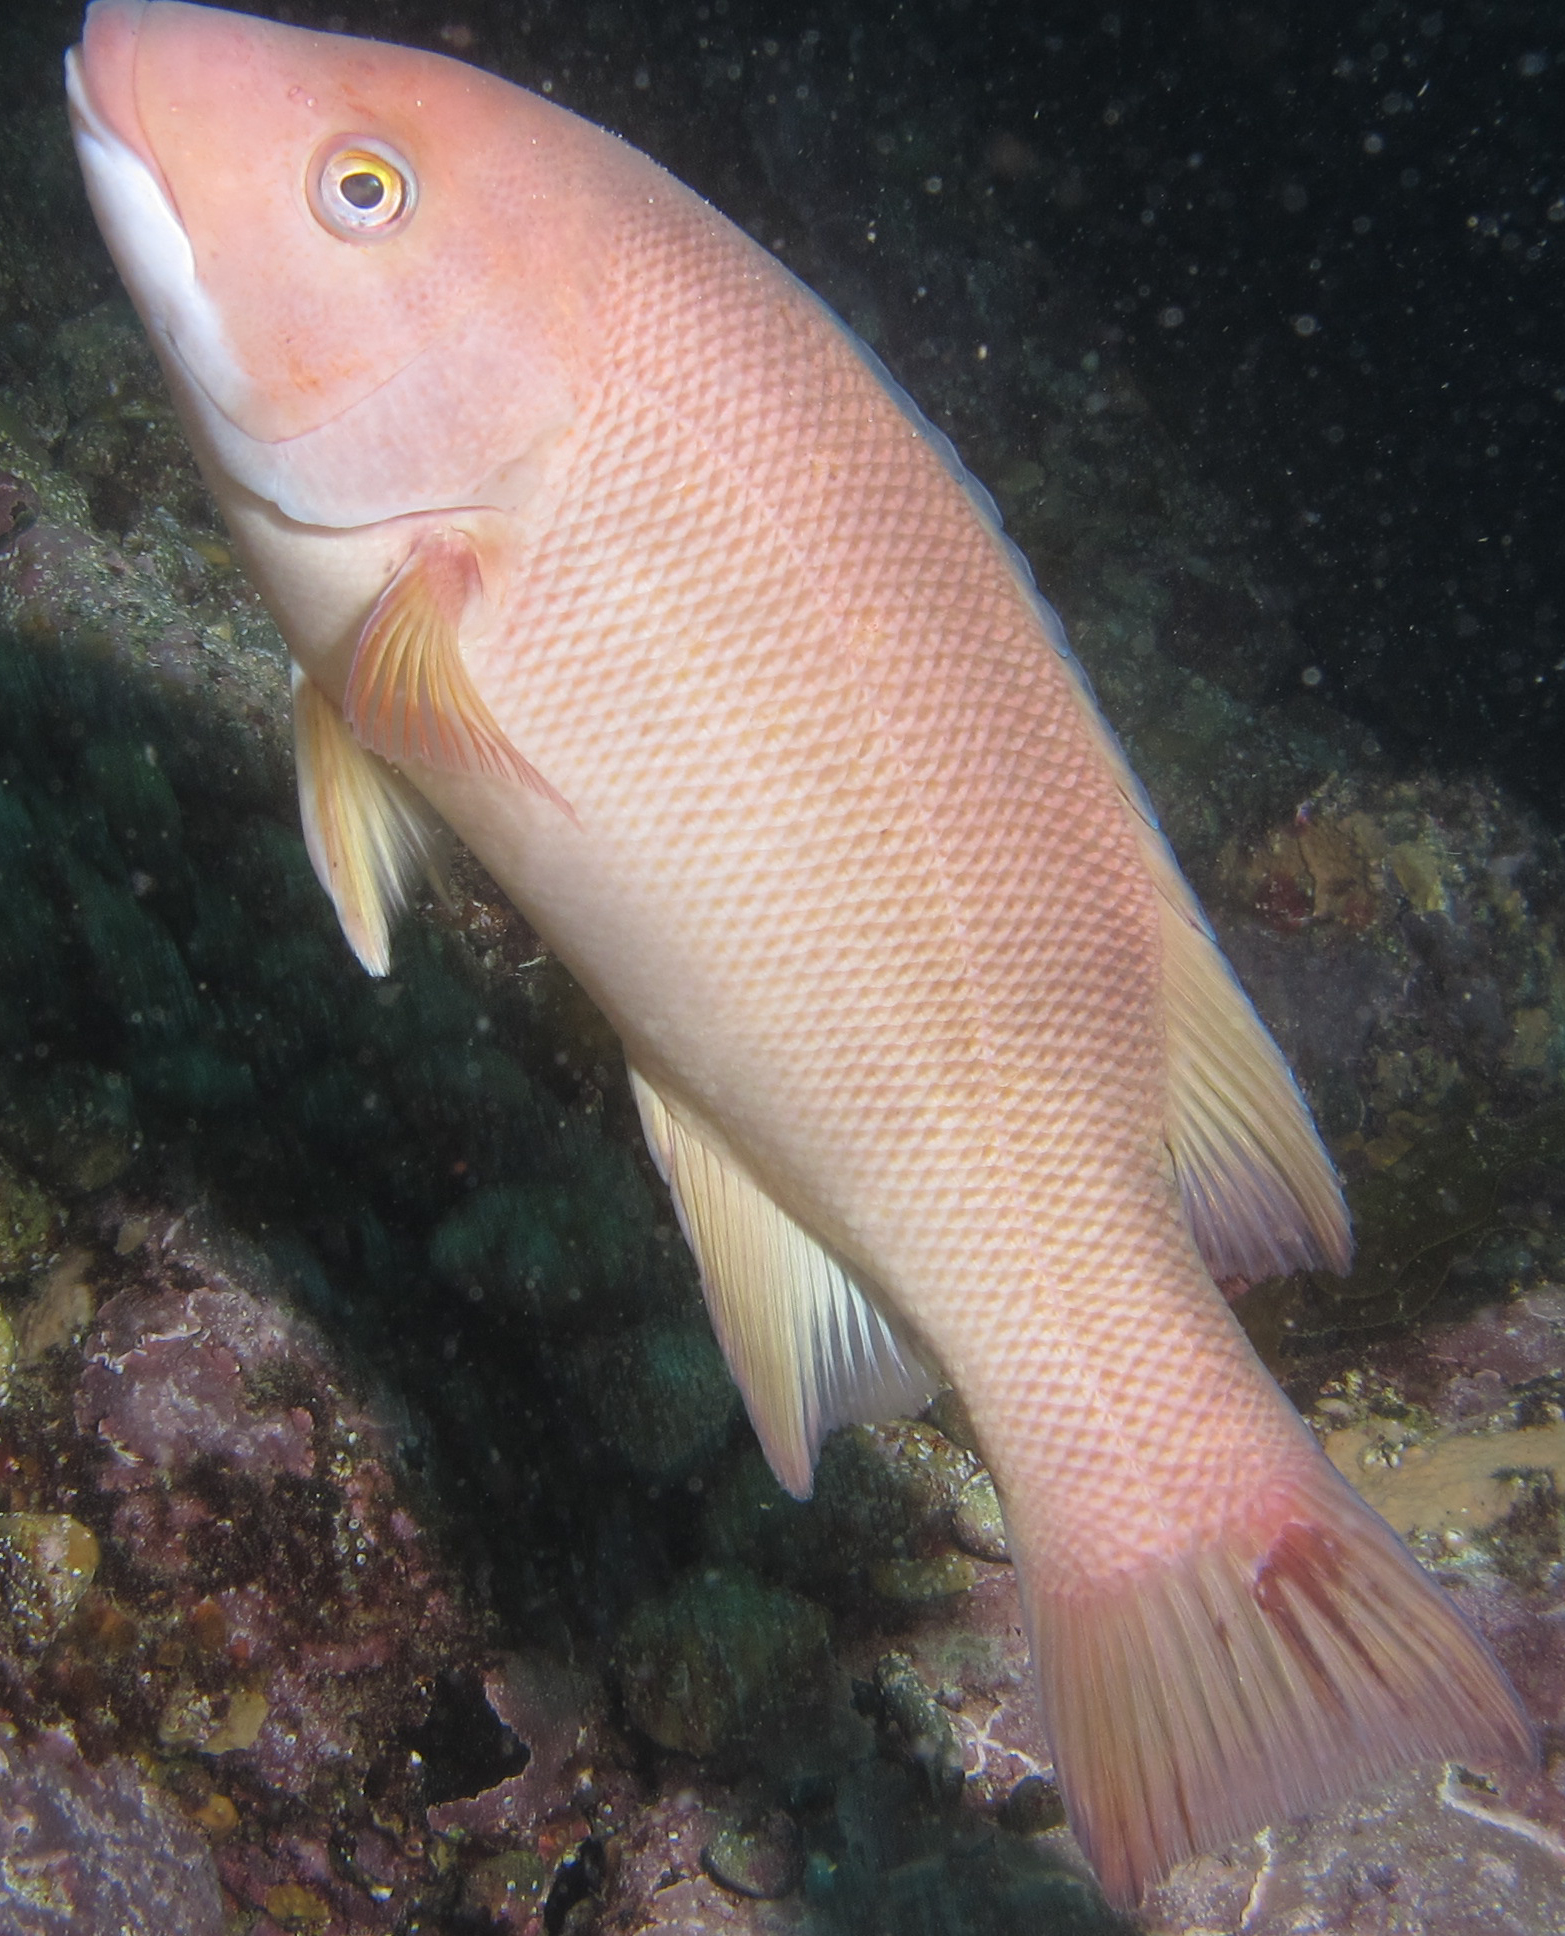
{"points": [[594, 534]]}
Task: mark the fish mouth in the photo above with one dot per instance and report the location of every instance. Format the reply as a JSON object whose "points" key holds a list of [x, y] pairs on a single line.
{"points": [[139, 217], [100, 84], [135, 207]]}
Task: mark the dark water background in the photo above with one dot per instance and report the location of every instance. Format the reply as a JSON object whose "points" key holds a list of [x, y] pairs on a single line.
{"points": [[1326, 240]]}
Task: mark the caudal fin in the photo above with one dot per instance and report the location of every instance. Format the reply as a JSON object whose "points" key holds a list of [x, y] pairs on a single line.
{"points": [[1258, 1680]]}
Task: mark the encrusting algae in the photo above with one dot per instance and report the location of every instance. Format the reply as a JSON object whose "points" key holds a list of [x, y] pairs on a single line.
{"points": [[703, 641]]}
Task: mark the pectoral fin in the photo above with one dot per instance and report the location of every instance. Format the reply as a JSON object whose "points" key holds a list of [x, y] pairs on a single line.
{"points": [[368, 833], [808, 1348], [410, 698]]}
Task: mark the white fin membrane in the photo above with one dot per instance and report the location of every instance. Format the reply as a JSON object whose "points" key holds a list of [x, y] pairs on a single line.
{"points": [[807, 1346], [369, 835]]}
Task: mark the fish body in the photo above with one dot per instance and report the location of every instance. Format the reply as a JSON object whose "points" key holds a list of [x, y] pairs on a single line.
{"points": [[591, 530]]}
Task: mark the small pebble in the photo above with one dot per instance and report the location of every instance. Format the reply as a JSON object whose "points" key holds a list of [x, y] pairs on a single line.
{"points": [[764, 1859], [132, 1234], [977, 1523], [924, 1724], [297, 1907], [29, 1222], [47, 1561], [217, 1815], [60, 1309], [241, 1724], [1032, 1807], [502, 1887], [910, 1582]]}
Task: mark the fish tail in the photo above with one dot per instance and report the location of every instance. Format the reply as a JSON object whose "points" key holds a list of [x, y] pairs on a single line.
{"points": [[1300, 1657]]}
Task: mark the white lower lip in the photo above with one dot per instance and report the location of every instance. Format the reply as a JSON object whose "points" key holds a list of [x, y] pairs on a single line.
{"points": [[145, 236], [153, 255]]}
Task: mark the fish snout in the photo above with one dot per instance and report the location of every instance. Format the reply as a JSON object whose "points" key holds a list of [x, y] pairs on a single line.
{"points": [[100, 76]]}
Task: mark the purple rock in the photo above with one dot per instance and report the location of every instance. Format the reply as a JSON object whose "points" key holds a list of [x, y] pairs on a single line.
{"points": [[1503, 1342], [549, 1706], [85, 1851], [165, 1385], [1425, 1854]]}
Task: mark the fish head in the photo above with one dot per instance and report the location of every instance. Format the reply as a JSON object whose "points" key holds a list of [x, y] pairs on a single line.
{"points": [[365, 268]]}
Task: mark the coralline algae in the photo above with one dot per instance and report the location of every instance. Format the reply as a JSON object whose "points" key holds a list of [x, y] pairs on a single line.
{"points": [[93, 1848]]}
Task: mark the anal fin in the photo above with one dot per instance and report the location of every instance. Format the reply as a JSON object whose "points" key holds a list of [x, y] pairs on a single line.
{"points": [[807, 1346], [410, 697], [368, 833]]}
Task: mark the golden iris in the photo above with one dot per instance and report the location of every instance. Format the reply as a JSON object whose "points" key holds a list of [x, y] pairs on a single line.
{"points": [[360, 188]]}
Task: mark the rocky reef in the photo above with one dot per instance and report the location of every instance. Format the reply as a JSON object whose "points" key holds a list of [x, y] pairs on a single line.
{"points": [[382, 1548]]}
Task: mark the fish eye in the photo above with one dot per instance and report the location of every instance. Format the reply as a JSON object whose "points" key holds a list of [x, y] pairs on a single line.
{"points": [[361, 189]]}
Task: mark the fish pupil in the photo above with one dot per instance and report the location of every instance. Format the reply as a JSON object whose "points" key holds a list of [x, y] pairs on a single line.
{"points": [[363, 190]]}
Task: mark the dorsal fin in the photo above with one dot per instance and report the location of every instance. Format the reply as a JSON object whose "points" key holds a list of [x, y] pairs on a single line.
{"points": [[808, 1348], [369, 834]]}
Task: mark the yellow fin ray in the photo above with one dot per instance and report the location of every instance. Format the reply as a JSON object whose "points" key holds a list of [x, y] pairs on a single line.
{"points": [[410, 697], [369, 835], [808, 1348]]}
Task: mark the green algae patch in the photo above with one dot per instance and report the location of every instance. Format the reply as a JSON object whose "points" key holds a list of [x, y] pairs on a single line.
{"points": [[659, 1394], [30, 1222], [501, 1887], [721, 1662], [977, 1523], [882, 1519], [47, 1562], [1440, 1198], [912, 1582], [74, 1123], [1433, 1199]]}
